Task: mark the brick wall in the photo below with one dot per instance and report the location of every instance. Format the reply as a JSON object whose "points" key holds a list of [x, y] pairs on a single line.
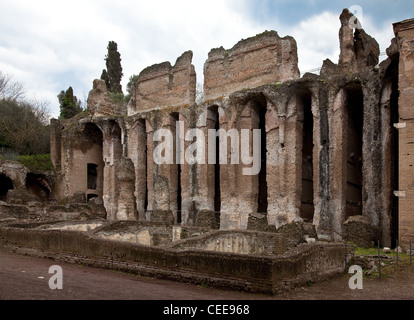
{"points": [[405, 33]]}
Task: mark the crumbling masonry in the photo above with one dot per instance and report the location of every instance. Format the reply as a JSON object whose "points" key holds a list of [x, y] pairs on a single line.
{"points": [[335, 146]]}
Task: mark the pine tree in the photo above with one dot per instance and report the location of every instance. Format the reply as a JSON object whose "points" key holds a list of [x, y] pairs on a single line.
{"points": [[69, 104], [104, 76], [113, 68]]}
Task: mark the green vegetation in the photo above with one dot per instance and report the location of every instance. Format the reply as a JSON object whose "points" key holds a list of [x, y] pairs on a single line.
{"points": [[131, 86], [69, 104], [113, 73], [117, 97], [24, 124], [36, 163], [370, 261]]}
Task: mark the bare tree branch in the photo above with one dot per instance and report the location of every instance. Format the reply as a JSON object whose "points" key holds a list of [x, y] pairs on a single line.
{"points": [[9, 89]]}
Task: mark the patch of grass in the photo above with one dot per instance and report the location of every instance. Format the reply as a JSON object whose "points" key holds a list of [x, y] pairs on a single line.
{"points": [[366, 251], [374, 252], [388, 261], [36, 163]]}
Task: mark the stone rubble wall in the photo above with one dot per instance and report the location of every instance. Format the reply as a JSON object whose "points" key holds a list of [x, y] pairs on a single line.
{"points": [[218, 269], [163, 85], [263, 59], [258, 79]]}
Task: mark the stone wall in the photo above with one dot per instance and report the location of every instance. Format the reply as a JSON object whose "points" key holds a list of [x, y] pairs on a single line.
{"points": [[163, 85], [328, 141], [404, 32], [263, 59], [218, 269], [81, 145], [240, 242]]}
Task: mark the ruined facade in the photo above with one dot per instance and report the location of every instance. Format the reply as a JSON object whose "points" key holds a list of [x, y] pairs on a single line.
{"points": [[333, 146]]}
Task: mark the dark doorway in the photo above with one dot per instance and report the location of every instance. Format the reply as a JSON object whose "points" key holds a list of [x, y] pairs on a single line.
{"points": [[176, 117], [5, 185], [355, 120], [307, 204], [92, 176], [92, 196], [262, 194], [395, 118], [217, 192], [38, 185]]}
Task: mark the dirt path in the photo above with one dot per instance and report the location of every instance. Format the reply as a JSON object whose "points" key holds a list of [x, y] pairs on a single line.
{"points": [[396, 286], [27, 278]]}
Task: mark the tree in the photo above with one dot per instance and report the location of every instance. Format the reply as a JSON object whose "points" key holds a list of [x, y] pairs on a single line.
{"points": [[69, 104], [9, 89], [23, 126], [113, 68], [131, 86], [104, 77]]}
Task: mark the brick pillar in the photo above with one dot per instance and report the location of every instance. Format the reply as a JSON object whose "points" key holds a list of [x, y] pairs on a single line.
{"points": [[404, 32]]}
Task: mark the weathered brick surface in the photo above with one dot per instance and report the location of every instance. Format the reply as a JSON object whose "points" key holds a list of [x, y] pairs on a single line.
{"points": [[163, 85], [346, 114], [405, 35], [260, 60]]}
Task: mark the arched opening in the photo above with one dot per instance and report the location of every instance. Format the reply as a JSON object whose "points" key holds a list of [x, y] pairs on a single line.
{"points": [[307, 204], [355, 121], [6, 184], [38, 185]]}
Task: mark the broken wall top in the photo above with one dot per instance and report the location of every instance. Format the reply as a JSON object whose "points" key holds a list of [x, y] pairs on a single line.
{"points": [[163, 85], [100, 103], [263, 59], [358, 49]]}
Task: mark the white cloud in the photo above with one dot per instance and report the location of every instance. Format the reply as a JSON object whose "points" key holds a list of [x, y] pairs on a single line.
{"points": [[317, 39], [48, 43], [51, 45]]}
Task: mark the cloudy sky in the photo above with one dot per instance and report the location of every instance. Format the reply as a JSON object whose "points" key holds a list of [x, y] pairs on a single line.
{"points": [[51, 45]]}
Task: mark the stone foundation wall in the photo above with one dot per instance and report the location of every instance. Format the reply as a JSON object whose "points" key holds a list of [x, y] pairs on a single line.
{"points": [[239, 272]]}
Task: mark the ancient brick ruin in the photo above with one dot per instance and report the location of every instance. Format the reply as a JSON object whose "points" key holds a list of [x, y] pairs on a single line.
{"points": [[334, 146]]}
